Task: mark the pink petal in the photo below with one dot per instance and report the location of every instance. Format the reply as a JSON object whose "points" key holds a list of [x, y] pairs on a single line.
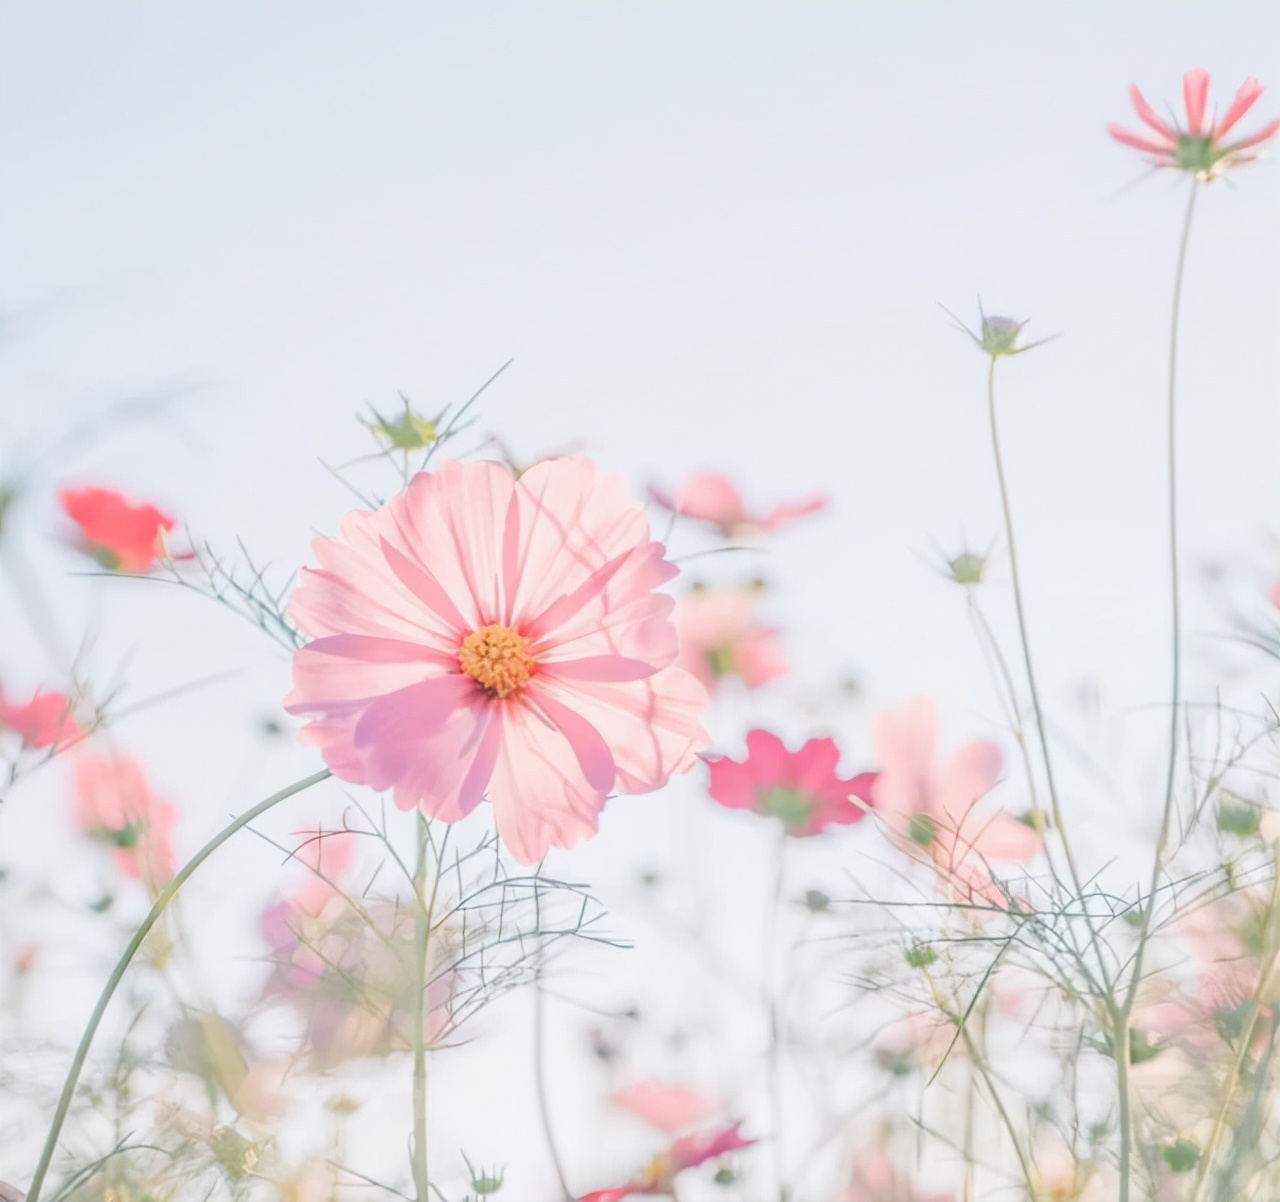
{"points": [[600, 668], [1000, 836], [905, 744], [732, 784], [813, 768], [427, 589], [541, 798], [780, 515], [768, 759], [1267, 131], [668, 1108], [1195, 93], [434, 743], [1138, 143], [1168, 134], [1245, 96], [352, 667], [760, 658], [971, 774]]}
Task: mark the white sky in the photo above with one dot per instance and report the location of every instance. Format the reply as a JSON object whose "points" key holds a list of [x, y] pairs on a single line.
{"points": [[710, 235]]}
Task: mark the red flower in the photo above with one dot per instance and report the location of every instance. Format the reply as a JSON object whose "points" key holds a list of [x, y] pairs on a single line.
{"points": [[686, 1153], [120, 534], [800, 787], [44, 721], [1198, 149]]}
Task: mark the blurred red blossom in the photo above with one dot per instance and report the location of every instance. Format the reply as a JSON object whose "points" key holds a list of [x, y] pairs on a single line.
{"points": [[114, 804], [44, 721], [1198, 149], [721, 636], [121, 534], [481, 634], [658, 1176], [710, 497], [802, 788]]}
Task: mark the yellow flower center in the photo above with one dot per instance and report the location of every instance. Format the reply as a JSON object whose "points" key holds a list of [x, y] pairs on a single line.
{"points": [[497, 659]]}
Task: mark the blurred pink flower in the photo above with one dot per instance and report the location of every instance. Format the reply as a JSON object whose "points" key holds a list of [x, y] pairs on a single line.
{"points": [[1274, 595], [114, 804], [668, 1108], [485, 635], [709, 497], [801, 787], [120, 534], [720, 636], [1198, 149], [659, 1174], [875, 1179], [44, 721]]}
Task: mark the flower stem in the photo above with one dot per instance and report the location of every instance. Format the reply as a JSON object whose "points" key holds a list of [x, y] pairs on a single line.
{"points": [[423, 908], [1166, 816], [774, 1065], [165, 896]]}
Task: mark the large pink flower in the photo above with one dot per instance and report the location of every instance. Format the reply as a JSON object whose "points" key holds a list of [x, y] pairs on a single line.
{"points": [[710, 497], [932, 805], [481, 634], [115, 805], [721, 636], [1198, 149], [802, 788]]}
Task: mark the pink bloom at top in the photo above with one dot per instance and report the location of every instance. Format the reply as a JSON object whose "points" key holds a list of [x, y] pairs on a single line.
{"points": [[668, 1108], [658, 1176], [721, 636], [800, 787], [44, 721], [1198, 149], [484, 635], [709, 497], [114, 804], [933, 805], [120, 534]]}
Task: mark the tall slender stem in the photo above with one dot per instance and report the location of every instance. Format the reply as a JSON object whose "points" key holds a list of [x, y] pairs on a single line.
{"points": [[1166, 816], [165, 896], [770, 968], [422, 937]]}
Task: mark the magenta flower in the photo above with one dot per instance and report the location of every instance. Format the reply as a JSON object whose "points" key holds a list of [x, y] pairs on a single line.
{"points": [[931, 806], [709, 497], [658, 1176], [801, 787], [721, 636], [114, 804], [1199, 149], [484, 635], [44, 721]]}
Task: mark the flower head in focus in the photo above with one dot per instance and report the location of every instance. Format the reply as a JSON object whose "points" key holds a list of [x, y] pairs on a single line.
{"points": [[721, 636], [120, 534], [482, 635], [802, 788], [114, 805], [658, 1176], [1198, 149], [44, 721], [710, 497]]}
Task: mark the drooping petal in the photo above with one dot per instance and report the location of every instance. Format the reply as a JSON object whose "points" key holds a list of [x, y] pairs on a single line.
{"points": [[780, 515], [971, 774], [712, 498], [1168, 134], [1139, 143], [1245, 96], [1195, 94], [904, 748], [1266, 132]]}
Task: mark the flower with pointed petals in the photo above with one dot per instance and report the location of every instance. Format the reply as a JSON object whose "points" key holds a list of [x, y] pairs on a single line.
{"points": [[931, 806], [721, 636], [114, 804], [122, 535], [660, 1173], [482, 635], [710, 497], [1199, 149], [44, 721], [801, 787]]}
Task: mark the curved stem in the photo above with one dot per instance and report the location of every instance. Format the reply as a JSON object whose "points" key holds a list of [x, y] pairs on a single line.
{"points": [[117, 974], [1166, 816]]}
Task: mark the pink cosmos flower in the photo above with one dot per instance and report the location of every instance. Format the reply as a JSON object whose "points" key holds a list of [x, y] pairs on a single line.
{"points": [[44, 721], [481, 634], [114, 804], [800, 787], [1198, 149], [709, 497], [658, 1176], [720, 636], [120, 534], [932, 806], [668, 1108]]}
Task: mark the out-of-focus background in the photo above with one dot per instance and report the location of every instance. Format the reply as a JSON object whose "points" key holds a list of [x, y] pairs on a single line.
{"points": [[709, 236]]}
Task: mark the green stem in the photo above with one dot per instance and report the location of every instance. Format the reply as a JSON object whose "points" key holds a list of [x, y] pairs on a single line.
{"points": [[165, 896], [774, 1064], [422, 935], [1162, 840]]}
